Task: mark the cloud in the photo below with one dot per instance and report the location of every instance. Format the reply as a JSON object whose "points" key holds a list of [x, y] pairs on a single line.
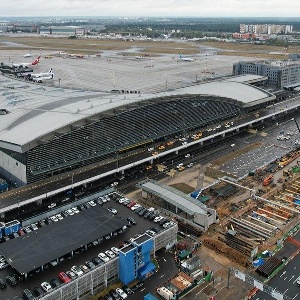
{"points": [[192, 8]]}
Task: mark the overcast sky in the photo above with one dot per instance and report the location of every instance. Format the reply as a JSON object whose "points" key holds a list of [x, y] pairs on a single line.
{"points": [[137, 8]]}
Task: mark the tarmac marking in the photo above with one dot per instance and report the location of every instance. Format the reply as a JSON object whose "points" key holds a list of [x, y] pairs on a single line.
{"points": [[296, 280], [295, 297], [285, 291]]}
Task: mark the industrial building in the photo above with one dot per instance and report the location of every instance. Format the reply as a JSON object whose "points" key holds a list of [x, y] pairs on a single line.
{"points": [[47, 130], [281, 74], [266, 28], [62, 30], [179, 203]]}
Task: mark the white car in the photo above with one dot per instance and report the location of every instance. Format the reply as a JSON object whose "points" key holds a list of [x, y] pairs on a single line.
{"points": [[122, 200], [112, 210], [110, 254], [103, 257], [34, 227], [136, 206], [53, 218], [52, 205], [157, 219], [75, 210], [187, 155], [121, 293], [115, 250], [77, 270], [46, 286], [59, 216], [70, 212], [92, 203]]}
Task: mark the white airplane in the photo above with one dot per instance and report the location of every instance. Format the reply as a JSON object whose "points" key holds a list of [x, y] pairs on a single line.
{"points": [[36, 75], [26, 65], [185, 58], [27, 54]]}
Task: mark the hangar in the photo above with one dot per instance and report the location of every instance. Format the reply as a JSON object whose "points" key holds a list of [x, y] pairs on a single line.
{"points": [[46, 131]]}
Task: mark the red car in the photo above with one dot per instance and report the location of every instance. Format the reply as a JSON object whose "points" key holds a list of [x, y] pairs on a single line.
{"points": [[131, 204], [64, 277]]}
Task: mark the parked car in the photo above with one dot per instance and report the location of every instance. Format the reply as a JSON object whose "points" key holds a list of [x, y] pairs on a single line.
{"points": [[75, 210], [110, 254], [37, 291], [46, 286], [52, 205], [121, 293], [90, 265], [64, 277], [114, 294], [97, 261], [28, 295], [11, 280], [2, 284], [92, 203], [115, 250], [34, 226], [127, 290], [59, 217], [84, 268], [54, 283], [77, 270], [131, 220], [112, 210], [103, 257], [71, 274]]}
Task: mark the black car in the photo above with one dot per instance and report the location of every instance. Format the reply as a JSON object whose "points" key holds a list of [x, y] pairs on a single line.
{"points": [[163, 221], [11, 280], [131, 220], [90, 265], [142, 212], [17, 298], [97, 261], [127, 290], [28, 295], [99, 201], [139, 209], [108, 297], [152, 216], [114, 294], [81, 207], [54, 283], [147, 214], [41, 223], [2, 284], [37, 291]]}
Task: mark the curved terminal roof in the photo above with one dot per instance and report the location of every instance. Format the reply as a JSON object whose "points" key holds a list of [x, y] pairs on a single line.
{"points": [[36, 110]]}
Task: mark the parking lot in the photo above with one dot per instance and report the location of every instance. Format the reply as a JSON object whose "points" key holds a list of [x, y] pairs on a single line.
{"points": [[81, 255]]}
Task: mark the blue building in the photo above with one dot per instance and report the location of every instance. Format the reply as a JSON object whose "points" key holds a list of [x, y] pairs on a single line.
{"points": [[135, 260]]}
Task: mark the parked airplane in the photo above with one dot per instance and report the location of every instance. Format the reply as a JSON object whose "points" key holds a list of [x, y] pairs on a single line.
{"points": [[25, 65], [36, 75], [27, 54], [185, 58]]}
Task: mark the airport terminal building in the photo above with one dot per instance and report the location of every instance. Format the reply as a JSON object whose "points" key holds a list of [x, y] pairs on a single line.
{"points": [[45, 131]]}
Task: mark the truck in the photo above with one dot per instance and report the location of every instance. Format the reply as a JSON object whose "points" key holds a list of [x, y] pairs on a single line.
{"points": [[165, 293]]}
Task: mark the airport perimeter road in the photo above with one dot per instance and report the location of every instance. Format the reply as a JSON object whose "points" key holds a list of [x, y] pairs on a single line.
{"points": [[285, 281]]}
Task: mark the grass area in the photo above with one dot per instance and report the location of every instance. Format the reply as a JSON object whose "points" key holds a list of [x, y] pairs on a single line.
{"points": [[256, 55], [251, 47], [88, 46]]}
